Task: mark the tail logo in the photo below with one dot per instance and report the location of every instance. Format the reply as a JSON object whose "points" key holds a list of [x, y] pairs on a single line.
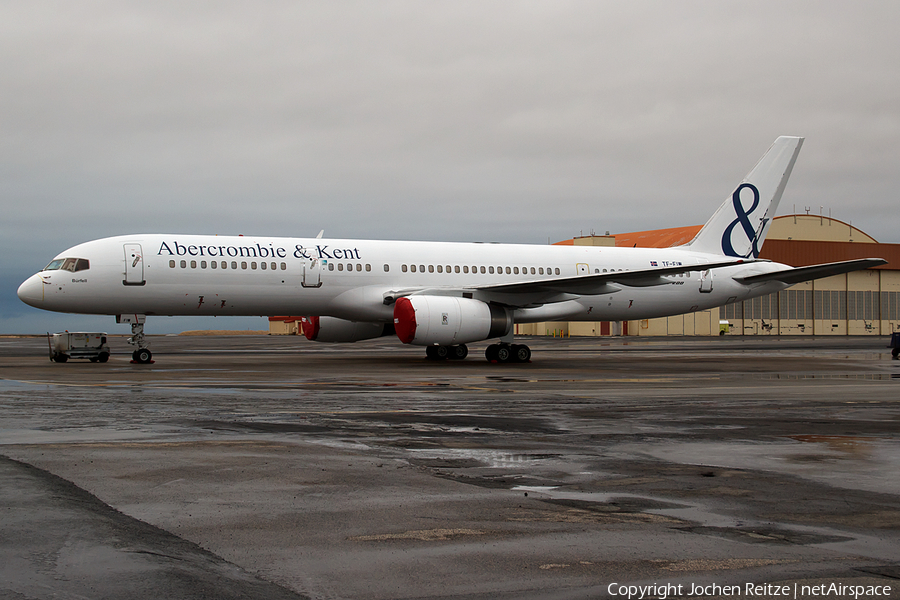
{"points": [[743, 217]]}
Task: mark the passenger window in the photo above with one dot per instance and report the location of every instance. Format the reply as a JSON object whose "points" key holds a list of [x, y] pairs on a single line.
{"points": [[456, 268], [465, 268], [515, 270], [233, 264], [253, 265], [413, 268], [368, 267], [491, 270], [262, 266], [171, 264], [244, 264], [557, 270], [213, 264], [359, 267], [284, 266], [386, 268], [193, 264], [402, 268], [482, 270], [202, 264], [183, 264], [509, 271], [532, 270], [431, 268], [331, 266], [448, 268], [541, 270], [421, 268], [340, 266], [440, 269]]}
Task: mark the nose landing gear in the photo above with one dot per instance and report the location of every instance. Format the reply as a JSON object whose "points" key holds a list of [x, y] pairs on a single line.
{"points": [[142, 355]]}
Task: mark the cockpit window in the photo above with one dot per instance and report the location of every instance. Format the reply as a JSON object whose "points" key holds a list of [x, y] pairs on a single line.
{"points": [[69, 264]]}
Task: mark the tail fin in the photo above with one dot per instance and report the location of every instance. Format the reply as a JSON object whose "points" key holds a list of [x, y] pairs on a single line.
{"points": [[739, 226]]}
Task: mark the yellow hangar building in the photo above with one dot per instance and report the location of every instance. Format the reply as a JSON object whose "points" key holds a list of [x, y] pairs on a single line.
{"points": [[859, 303]]}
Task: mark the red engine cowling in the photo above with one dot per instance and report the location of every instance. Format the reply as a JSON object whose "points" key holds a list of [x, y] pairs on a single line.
{"points": [[447, 320], [331, 329]]}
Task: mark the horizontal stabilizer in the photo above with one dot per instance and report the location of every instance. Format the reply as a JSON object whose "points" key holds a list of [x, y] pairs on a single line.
{"points": [[801, 274]]}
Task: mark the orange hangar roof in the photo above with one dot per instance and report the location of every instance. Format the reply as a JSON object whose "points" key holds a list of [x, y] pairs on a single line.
{"points": [[796, 240], [658, 238]]}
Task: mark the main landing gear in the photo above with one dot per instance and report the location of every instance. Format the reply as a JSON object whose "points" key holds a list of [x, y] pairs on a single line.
{"points": [[446, 352], [508, 353], [495, 353]]}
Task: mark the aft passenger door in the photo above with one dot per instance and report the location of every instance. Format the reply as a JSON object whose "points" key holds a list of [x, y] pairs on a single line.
{"points": [[134, 265]]}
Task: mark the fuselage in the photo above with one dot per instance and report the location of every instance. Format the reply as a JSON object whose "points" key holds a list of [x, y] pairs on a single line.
{"points": [[172, 274]]}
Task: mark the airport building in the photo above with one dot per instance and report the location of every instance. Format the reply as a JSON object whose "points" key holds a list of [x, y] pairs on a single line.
{"points": [[859, 303]]}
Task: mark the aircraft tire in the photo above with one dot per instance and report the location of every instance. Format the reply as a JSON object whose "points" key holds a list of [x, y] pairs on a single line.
{"points": [[504, 353], [490, 353], [521, 353], [143, 356], [442, 352], [459, 352]]}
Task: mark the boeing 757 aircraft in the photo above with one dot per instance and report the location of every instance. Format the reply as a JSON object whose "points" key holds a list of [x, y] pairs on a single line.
{"points": [[433, 294]]}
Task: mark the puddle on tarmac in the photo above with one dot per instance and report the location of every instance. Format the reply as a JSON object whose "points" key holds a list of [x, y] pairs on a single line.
{"points": [[706, 522], [851, 462], [490, 458]]}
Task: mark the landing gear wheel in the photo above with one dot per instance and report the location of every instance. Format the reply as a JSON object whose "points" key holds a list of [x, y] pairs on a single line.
{"points": [[490, 353], [437, 352], [521, 353], [458, 352], [504, 353], [142, 356]]}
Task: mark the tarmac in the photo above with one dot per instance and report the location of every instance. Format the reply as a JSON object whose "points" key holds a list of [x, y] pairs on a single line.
{"points": [[275, 467]]}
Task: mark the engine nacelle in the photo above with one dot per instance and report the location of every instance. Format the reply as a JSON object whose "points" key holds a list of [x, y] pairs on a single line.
{"points": [[447, 320], [332, 329]]}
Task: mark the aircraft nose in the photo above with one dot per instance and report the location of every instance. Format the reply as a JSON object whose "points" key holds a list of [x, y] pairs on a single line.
{"points": [[31, 291]]}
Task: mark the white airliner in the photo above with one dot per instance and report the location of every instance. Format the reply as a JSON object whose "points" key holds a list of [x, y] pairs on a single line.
{"points": [[433, 294]]}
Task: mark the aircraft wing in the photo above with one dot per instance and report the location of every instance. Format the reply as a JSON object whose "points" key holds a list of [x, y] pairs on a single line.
{"points": [[601, 283], [801, 274]]}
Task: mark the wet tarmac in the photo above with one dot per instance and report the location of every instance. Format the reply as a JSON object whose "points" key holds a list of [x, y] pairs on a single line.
{"points": [[270, 467]]}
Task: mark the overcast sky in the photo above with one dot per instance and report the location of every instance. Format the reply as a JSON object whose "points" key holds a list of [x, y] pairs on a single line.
{"points": [[495, 121]]}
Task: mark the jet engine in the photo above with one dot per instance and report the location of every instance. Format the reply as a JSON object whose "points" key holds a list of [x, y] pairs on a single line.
{"points": [[448, 321], [332, 329]]}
